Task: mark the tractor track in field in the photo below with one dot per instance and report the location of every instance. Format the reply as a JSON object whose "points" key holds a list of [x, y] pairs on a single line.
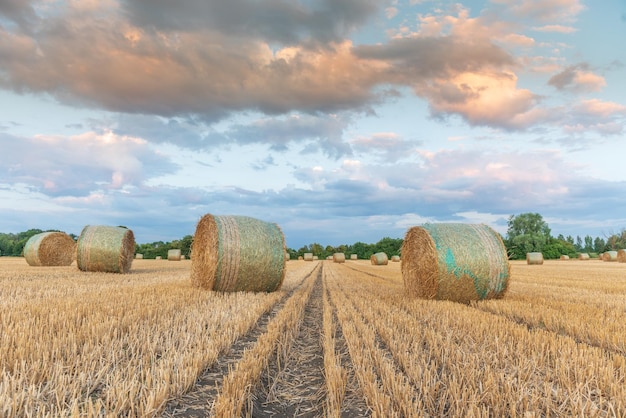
{"points": [[198, 401]]}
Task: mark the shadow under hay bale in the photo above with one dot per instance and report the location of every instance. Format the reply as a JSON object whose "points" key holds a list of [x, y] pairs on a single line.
{"points": [[457, 262], [173, 255], [534, 258], [50, 249], [583, 256], [105, 248], [237, 253], [621, 256], [379, 259], [339, 258], [609, 256]]}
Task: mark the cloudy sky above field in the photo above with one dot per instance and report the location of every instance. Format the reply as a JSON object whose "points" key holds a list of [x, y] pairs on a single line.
{"points": [[340, 120]]}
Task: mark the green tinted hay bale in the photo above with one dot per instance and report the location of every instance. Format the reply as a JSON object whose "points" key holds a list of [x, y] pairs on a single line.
{"points": [[583, 256], [534, 258], [395, 258], [609, 256], [458, 262], [237, 253], [564, 257], [339, 258], [173, 254], [308, 256], [379, 259], [354, 257], [105, 248], [50, 249], [621, 256]]}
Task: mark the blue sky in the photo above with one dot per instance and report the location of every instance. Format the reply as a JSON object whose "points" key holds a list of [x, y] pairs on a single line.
{"points": [[340, 120]]}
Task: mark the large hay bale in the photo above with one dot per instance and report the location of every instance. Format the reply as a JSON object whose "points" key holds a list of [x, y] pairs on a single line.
{"points": [[534, 258], [237, 253], [339, 258], [564, 257], [621, 256], [379, 259], [395, 258], [308, 257], [50, 249], [609, 256], [354, 257], [173, 254], [458, 262], [583, 256], [105, 248]]}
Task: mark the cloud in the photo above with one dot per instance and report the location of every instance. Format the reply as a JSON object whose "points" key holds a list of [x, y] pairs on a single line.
{"points": [[577, 78], [386, 147], [544, 11], [555, 28], [19, 11]]}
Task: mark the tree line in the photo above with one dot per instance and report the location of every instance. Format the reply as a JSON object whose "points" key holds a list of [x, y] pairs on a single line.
{"points": [[526, 232]]}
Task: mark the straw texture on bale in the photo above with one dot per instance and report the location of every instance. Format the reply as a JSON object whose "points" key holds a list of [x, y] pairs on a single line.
{"points": [[534, 258], [238, 253], [105, 248], [50, 249], [173, 254], [138, 256], [339, 258], [379, 259], [621, 256], [354, 257], [457, 262], [564, 257], [609, 256], [395, 258], [308, 256], [583, 256]]}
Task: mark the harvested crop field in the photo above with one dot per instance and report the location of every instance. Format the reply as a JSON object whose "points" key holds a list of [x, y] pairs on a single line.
{"points": [[338, 340]]}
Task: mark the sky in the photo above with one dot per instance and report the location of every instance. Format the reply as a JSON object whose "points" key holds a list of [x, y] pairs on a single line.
{"points": [[339, 120]]}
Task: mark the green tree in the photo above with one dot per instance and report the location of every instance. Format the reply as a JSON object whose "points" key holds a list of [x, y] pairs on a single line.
{"points": [[527, 232]]}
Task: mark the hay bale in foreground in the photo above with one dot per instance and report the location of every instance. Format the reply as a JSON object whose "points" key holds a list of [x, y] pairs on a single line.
{"points": [[308, 256], [237, 253], [50, 249], [609, 256], [105, 248], [379, 259], [564, 257], [457, 262], [354, 257], [534, 258], [583, 256], [395, 258], [339, 258], [621, 256], [174, 254]]}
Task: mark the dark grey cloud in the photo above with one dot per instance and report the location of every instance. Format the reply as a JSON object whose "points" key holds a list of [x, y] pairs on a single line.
{"points": [[20, 12]]}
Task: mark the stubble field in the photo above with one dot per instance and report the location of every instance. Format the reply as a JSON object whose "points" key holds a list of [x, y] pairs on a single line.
{"points": [[336, 340]]}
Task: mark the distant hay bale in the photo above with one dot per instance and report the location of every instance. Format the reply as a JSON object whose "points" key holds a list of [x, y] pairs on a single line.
{"points": [[621, 256], [182, 257], [395, 258], [339, 258], [609, 256], [315, 257], [174, 255], [534, 258], [354, 257], [583, 256], [564, 257], [329, 257], [158, 257], [105, 248], [238, 253], [138, 256], [457, 262], [379, 259], [300, 258], [50, 249], [308, 256], [287, 256]]}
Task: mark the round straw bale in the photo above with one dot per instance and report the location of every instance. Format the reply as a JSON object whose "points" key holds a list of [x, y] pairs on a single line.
{"points": [[329, 257], [395, 258], [339, 258], [105, 248], [534, 258], [621, 256], [300, 258], [583, 256], [158, 257], [287, 256], [458, 262], [379, 259], [610, 256], [308, 256], [238, 253], [173, 254], [182, 257], [138, 256], [315, 258], [50, 249], [564, 257], [354, 257]]}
